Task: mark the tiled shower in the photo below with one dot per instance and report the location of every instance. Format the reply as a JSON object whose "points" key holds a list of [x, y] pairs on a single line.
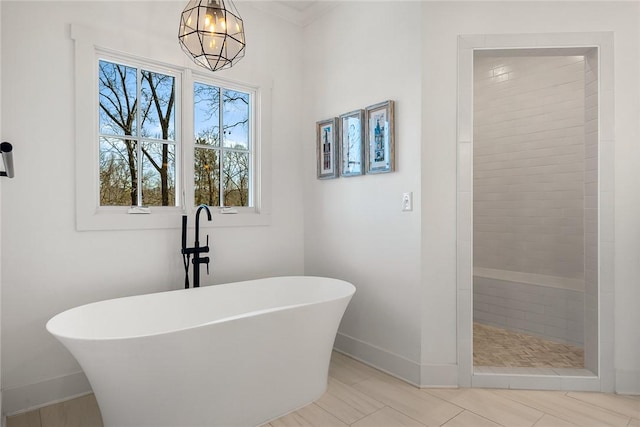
{"points": [[535, 161]]}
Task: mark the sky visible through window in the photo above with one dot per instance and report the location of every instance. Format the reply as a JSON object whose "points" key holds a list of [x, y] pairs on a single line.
{"points": [[235, 116]]}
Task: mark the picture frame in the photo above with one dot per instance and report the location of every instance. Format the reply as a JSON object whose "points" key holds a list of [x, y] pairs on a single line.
{"points": [[327, 148], [352, 143], [380, 145]]}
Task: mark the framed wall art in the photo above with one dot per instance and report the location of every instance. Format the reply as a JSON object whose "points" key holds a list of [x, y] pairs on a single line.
{"points": [[352, 143], [327, 140], [380, 145]]}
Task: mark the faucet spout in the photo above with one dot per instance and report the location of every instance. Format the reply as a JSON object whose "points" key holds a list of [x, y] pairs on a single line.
{"points": [[197, 250], [200, 208]]}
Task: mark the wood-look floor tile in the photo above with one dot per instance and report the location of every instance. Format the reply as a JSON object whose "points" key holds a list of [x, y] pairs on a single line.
{"points": [[376, 399], [347, 403], [447, 394], [387, 417], [318, 417], [291, 420], [80, 412], [497, 408], [551, 421], [619, 404], [409, 400], [309, 416], [469, 419], [568, 408], [349, 371], [28, 419]]}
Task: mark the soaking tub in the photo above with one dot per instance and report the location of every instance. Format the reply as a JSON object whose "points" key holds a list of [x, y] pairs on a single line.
{"points": [[238, 354]]}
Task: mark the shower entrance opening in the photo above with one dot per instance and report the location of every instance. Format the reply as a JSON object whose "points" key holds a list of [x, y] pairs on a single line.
{"points": [[535, 216], [532, 162]]}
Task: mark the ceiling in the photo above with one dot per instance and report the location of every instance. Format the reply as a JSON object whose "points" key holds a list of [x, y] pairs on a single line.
{"points": [[299, 5], [300, 12]]}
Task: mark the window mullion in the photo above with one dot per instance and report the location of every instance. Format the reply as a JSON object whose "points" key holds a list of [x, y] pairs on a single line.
{"points": [[187, 147], [138, 134], [221, 144]]}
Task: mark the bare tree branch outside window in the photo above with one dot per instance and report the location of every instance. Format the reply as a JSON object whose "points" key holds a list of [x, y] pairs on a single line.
{"points": [[223, 148], [137, 137], [138, 146]]}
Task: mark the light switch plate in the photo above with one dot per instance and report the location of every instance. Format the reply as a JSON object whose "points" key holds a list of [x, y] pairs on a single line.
{"points": [[407, 201]]}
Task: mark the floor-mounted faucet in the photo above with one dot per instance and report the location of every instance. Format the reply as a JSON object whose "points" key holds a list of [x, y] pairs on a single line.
{"points": [[196, 250]]}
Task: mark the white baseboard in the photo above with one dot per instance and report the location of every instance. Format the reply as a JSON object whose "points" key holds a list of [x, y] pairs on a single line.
{"points": [[627, 382], [379, 358], [396, 365], [16, 400], [439, 376]]}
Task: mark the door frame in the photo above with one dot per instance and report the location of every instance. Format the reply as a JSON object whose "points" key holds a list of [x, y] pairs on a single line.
{"points": [[603, 380]]}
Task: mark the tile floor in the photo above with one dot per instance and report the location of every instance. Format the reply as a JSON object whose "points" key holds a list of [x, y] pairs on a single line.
{"points": [[497, 347], [361, 396]]}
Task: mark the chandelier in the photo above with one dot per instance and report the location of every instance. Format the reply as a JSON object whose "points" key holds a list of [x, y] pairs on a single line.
{"points": [[212, 33]]}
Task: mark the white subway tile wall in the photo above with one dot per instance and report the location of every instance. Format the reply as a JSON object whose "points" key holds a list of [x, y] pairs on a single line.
{"points": [[552, 313], [529, 164]]}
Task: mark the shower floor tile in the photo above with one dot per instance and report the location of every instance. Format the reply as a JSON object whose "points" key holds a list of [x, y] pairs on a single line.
{"points": [[497, 347]]}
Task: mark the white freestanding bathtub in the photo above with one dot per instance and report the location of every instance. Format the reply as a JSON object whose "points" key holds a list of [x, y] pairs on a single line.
{"points": [[238, 354]]}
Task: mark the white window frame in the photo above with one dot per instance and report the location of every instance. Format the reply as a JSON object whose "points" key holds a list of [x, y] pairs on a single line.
{"points": [[119, 46]]}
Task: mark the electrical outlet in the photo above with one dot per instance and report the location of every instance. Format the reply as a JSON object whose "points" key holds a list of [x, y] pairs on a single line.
{"points": [[407, 201]]}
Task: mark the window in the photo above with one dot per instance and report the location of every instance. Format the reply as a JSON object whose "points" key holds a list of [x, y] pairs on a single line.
{"points": [[137, 137], [222, 156], [158, 139]]}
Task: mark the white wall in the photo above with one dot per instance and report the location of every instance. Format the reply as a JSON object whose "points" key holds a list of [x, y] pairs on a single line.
{"points": [[356, 55], [47, 266], [442, 22]]}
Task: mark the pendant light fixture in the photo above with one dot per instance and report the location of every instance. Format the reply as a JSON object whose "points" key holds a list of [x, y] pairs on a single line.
{"points": [[212, 33]]}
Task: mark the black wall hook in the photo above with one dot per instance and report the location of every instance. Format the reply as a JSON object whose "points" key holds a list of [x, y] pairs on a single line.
{"points": [[7, 158]]}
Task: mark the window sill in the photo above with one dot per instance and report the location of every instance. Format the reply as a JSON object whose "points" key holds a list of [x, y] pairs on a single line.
{"points": [[117, 218]]}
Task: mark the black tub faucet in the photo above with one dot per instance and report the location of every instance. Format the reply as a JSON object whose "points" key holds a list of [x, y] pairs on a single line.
{"points": [[196, 250]]}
